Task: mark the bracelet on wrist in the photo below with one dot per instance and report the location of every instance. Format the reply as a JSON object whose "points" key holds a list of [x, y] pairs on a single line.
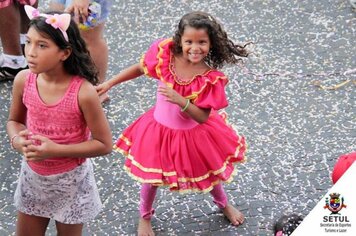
{"points": [[12, 141], [185, 106]]}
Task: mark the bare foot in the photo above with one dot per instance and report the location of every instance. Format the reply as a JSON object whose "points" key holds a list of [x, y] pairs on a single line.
{"points": [[145, 228], [104, 97], [235, 216]]}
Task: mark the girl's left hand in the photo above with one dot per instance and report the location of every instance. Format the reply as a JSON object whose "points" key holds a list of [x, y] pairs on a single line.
{"points": [[171, 95], [40, 149]]}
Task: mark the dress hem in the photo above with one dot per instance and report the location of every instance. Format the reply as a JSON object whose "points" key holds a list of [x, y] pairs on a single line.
{"points": [[174, 186]]}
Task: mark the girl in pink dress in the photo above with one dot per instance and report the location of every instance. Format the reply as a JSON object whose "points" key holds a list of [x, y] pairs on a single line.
{"points": [[56, 121], [182, 142]]}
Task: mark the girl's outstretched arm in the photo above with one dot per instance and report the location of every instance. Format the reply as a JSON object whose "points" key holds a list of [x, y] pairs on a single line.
{"points": [[129, 73], [101, 138]]}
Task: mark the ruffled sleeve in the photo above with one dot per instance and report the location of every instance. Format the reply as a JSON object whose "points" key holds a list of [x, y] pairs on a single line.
{"points": [[153, 59], [213, 95]]}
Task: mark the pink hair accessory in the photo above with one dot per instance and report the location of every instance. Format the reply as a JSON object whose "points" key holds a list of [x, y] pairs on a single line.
{"points": [[57, 21], [279, 233], [35, 13]]}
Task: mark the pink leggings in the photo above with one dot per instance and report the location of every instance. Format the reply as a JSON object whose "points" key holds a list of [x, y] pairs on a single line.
{"points": [[148, 194]]}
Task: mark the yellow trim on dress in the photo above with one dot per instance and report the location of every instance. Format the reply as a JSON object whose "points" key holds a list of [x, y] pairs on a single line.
{"points": [[195, 94], [159, 182], [138, 165], [175, 76], [142, 62], [160, 59], [214, 172], [126, 140], [173, 173]]}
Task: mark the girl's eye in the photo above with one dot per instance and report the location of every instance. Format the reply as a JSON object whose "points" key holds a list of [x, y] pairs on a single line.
{"points": [[42, 45], [27, 41]]}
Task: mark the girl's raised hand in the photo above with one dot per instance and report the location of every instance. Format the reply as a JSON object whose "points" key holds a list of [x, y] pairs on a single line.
{"points": [[102, 88], [171, 95], [80, 10], [40, 148]]}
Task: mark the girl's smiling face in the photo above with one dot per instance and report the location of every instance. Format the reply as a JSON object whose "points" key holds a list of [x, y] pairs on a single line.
{"points": [[195, 44]]}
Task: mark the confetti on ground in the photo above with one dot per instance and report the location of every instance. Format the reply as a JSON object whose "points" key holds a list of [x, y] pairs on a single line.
{"points": [[293, 99]]}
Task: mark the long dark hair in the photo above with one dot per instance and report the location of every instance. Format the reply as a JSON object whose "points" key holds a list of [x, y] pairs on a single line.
{"points": [[222, 51], [79, 62]]}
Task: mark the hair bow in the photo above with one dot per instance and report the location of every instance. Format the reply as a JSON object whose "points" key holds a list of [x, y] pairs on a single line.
{"points": [[57, 21]]}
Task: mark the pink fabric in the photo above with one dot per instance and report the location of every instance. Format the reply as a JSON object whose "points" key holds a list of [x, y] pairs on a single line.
{"points": [[165, 146], [62, 122], [6, 3], [219, 195], [147, 196], [279, 233], [341, 166], [169, 114]]}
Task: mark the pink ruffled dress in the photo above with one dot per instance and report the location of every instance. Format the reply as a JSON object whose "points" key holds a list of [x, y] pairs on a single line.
{"points": [[165, 146]]}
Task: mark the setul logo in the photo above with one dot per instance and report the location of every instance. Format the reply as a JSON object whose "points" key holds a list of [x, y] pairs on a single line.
{"points": [[334, 204], [335, 222]]}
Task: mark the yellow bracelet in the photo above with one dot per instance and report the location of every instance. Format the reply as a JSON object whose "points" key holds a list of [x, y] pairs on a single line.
{"points": [[186, 106], [12, 141]]}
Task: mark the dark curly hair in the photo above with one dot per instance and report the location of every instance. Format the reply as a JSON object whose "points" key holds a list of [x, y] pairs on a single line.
{"points": [[79, 62], [287, 224], [222, 50]]}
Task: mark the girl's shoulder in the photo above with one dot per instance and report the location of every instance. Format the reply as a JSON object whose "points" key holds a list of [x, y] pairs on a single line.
{"points": [[208, 90], [87, 91], [215, 73], [162, 43], [155, 61], [160, 47], [212, 76], [23, 74], [20, 79], [85, 86]]}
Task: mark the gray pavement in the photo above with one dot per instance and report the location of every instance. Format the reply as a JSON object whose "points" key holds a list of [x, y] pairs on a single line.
{"points": [[284, 100]]}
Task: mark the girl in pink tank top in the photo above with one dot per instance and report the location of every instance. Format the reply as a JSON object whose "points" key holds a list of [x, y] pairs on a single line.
{"points": [[56, 121], [183, 142]]}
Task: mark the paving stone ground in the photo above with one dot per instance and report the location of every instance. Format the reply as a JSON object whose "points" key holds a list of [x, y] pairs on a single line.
{"points": [[283, 100]]}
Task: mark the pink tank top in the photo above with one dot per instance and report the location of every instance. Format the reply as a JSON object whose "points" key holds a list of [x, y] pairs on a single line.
{"points": [[62, 122]]}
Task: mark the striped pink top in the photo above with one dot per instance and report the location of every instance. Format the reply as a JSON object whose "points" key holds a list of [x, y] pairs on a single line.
{"points": [[62, 122]]}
